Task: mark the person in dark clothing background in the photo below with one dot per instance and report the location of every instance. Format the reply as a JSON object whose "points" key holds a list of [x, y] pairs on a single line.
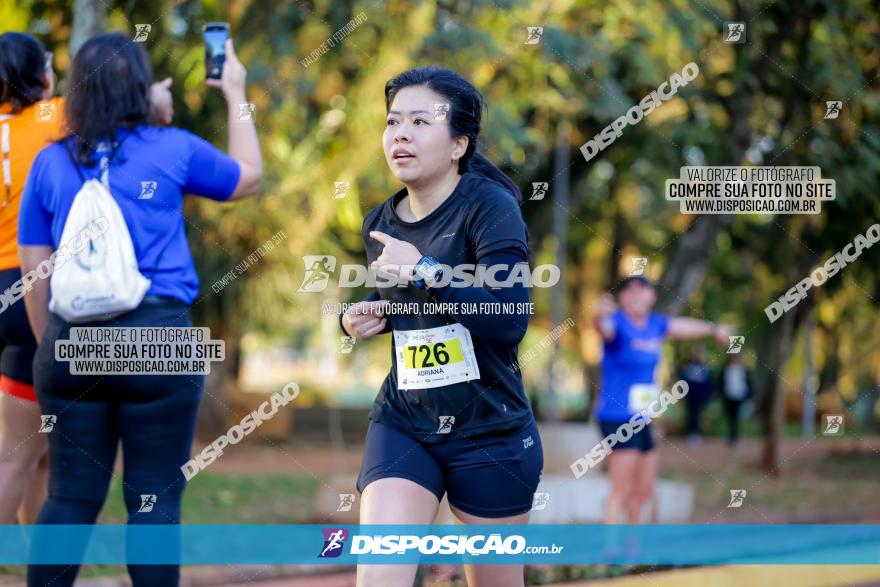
{"points": [[735, 383], [696, 373]]}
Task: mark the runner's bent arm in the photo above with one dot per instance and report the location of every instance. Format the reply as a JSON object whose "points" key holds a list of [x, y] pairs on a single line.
{"points": [[684, 328], [506, 329]]}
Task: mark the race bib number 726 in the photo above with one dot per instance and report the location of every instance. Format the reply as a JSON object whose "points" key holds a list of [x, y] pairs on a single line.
{"points": [[435, 357]]}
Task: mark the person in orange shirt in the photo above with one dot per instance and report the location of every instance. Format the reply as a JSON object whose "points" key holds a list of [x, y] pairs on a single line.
{"points": [[30, 119]]}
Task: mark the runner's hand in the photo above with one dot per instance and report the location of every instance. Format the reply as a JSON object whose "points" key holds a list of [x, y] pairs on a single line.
{"points": [[722, 334], [398, 257], [605, 304], [365, 319]]}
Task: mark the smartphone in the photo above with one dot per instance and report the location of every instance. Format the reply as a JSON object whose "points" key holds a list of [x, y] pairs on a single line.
{"points": [[215, 34]]}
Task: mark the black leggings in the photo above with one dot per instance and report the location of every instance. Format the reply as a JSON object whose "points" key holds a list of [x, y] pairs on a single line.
{"points": [[732, 409], [17, 344], [152, 415]]}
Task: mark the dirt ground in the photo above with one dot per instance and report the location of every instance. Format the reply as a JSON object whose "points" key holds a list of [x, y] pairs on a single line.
{"points": [[675, 455], [831, 480]]}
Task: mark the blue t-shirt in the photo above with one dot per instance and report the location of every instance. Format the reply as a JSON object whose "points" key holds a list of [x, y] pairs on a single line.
{"points": [[152, 170], [628, 359]]}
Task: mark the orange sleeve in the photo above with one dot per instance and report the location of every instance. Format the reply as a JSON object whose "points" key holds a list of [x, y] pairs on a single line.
{"points": [[31, 130]]}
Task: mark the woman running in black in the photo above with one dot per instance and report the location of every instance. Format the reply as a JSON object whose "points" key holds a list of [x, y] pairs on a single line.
{"points": [[452, 416]]}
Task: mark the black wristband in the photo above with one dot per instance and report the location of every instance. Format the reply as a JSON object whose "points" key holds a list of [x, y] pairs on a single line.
{"points": [[341, 325]]}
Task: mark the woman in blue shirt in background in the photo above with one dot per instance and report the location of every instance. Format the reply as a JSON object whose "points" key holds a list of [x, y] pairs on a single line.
{"points": [[633, 338], [152, 416]]}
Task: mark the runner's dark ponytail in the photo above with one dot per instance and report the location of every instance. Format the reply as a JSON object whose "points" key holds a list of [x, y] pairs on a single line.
{"points": [[22, 70], [465, 114]]}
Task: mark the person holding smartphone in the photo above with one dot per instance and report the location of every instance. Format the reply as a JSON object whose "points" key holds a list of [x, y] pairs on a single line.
{"points": [[152, 416], [451, 417], [31, 118]]}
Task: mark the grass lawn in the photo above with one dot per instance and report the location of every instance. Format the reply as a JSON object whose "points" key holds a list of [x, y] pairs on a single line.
{"points": [[831, 486], [234, 499]]}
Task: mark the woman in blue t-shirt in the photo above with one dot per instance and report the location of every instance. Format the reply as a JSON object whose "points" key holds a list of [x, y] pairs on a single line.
{"points": [[150, 170], [451, 417], [633, 338]]}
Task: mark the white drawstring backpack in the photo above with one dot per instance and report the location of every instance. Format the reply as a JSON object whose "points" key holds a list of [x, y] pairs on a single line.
{"points": [[96, 275]]}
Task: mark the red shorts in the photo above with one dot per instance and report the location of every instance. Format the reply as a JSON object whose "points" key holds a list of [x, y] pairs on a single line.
{"points": [[17, 344], [17, 388]]}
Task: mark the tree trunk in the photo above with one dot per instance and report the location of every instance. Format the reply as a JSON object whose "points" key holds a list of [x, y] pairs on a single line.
{"points": [[773, 351], [561, 188], [89, 19], [687, 266], [810, 378]]}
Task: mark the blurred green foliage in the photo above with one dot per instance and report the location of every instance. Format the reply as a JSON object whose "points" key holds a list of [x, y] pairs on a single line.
{"points": [[759, 103]]}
